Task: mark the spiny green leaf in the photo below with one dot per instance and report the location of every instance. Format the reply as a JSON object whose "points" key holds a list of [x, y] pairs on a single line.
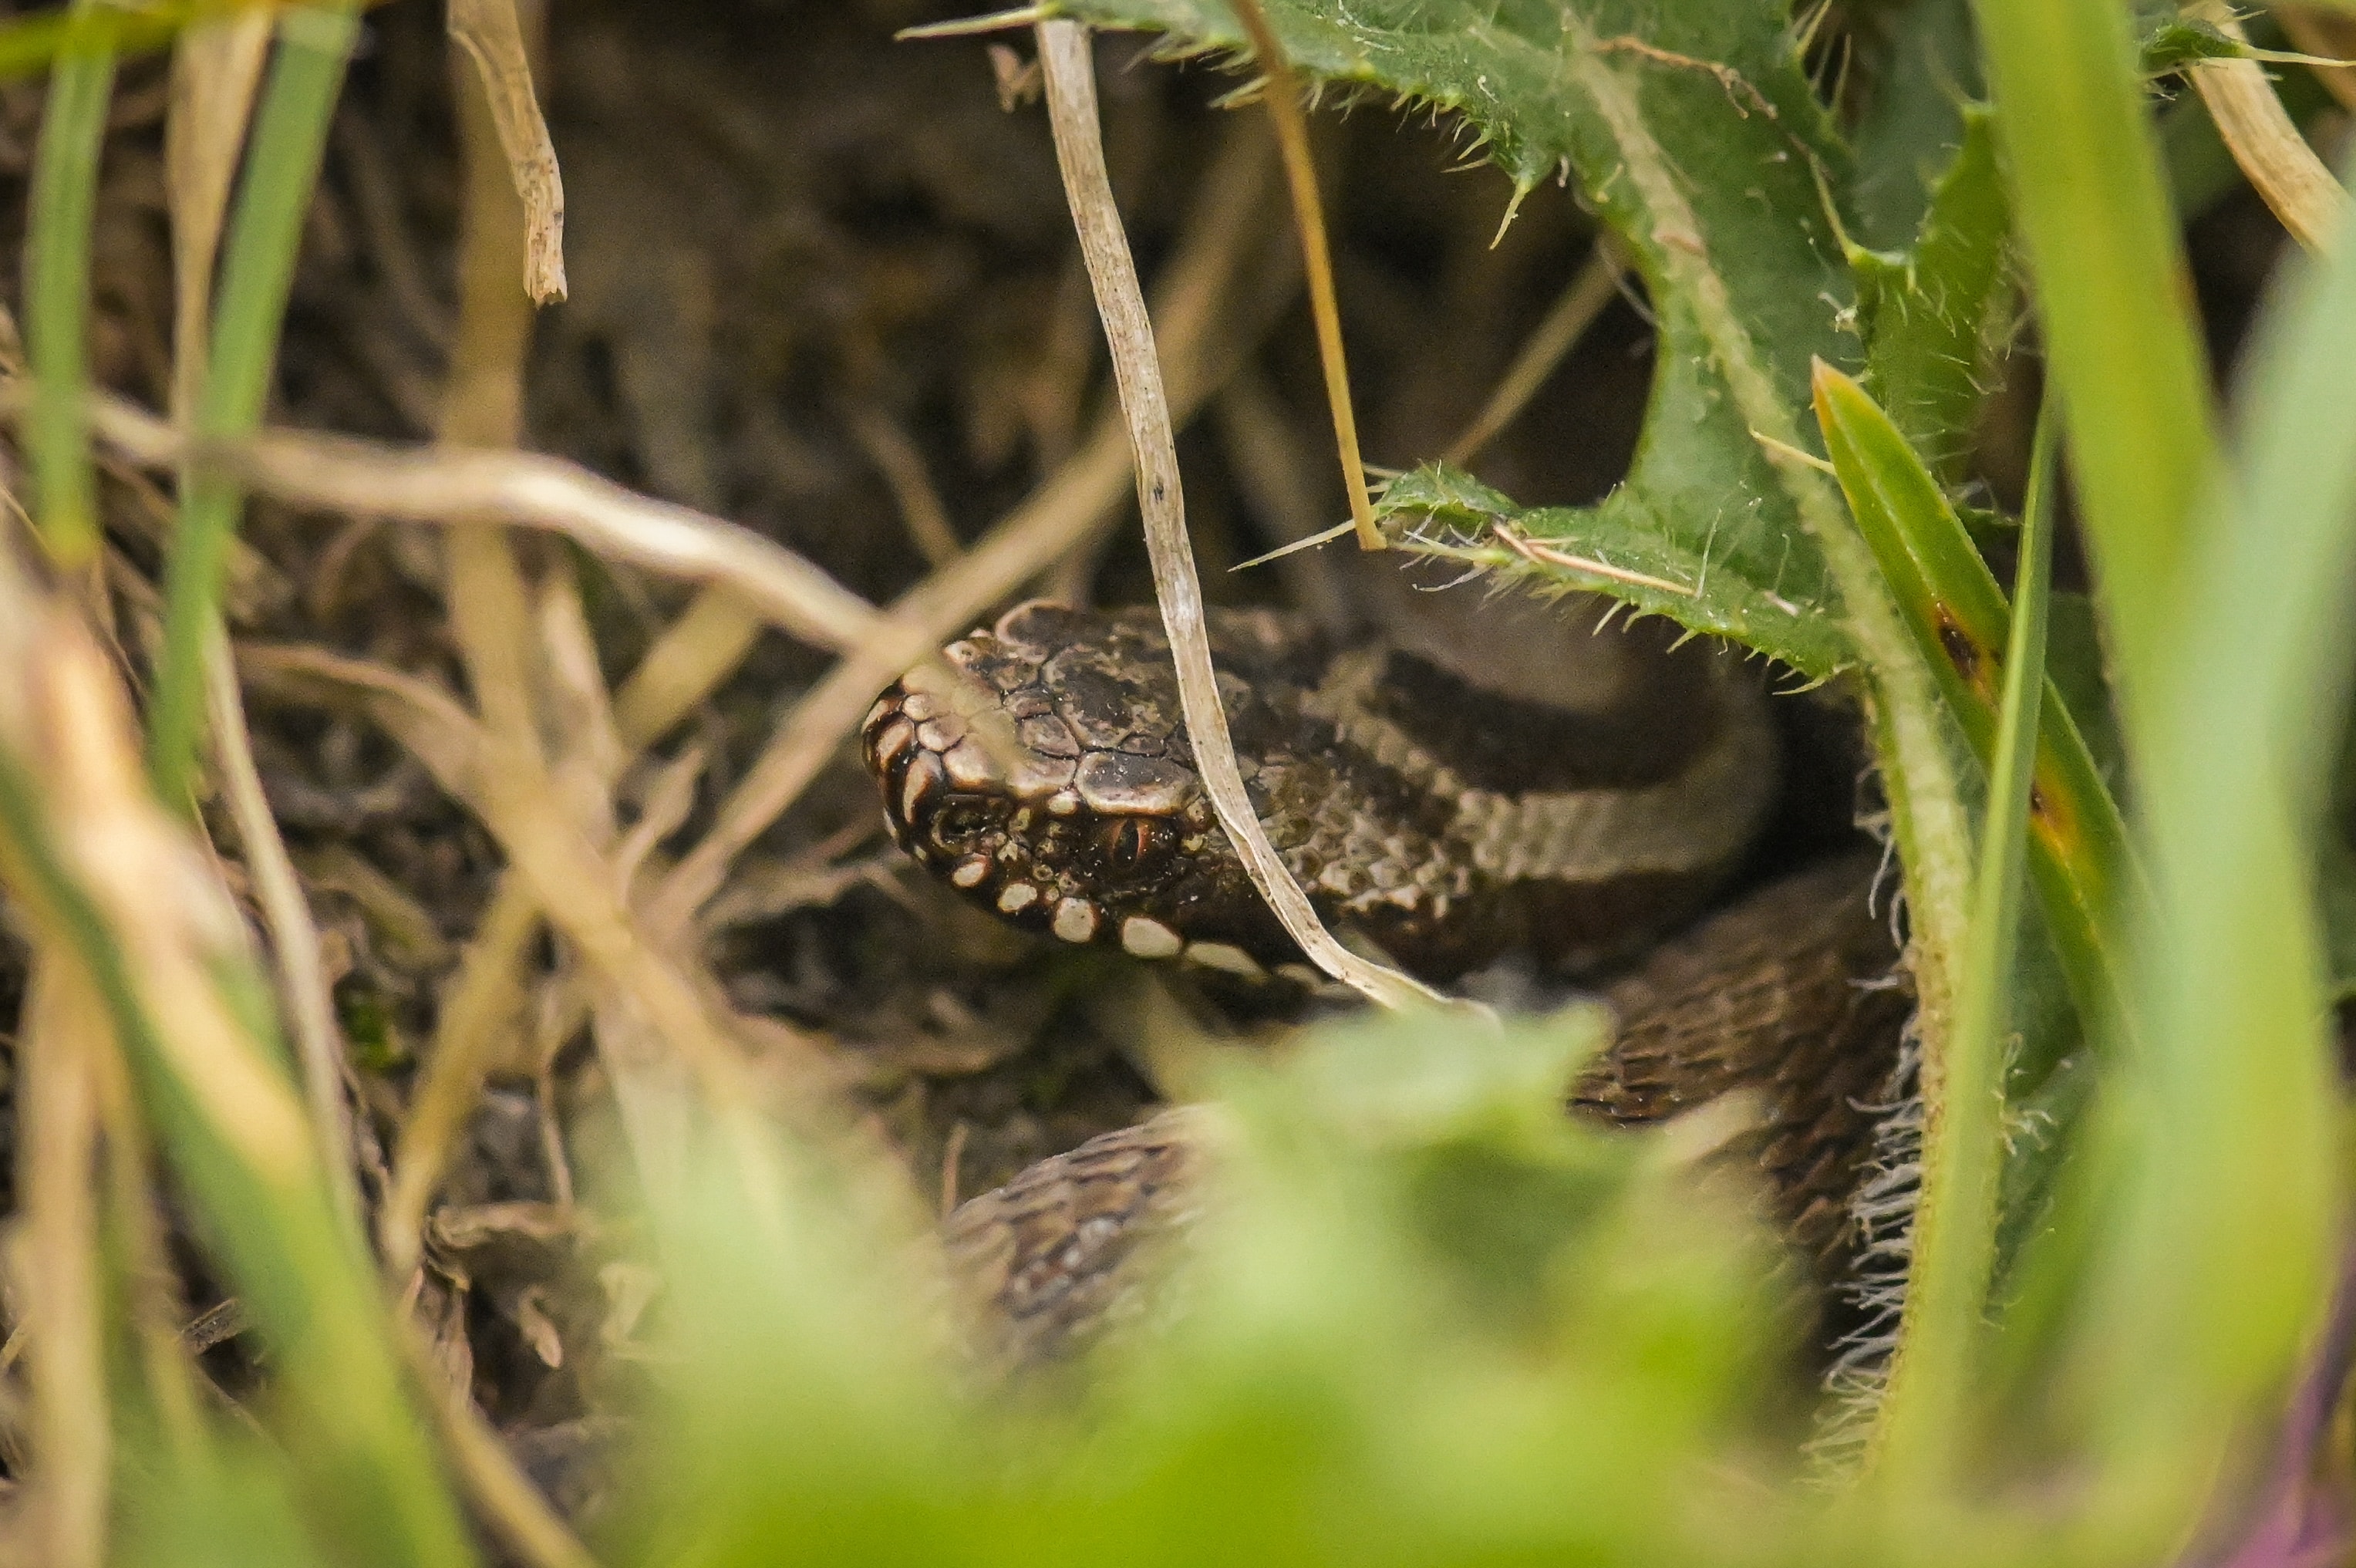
{"points": [[1716, 95], [1637, 547], [1918, 67], [2179, 42], [1928, 312]]}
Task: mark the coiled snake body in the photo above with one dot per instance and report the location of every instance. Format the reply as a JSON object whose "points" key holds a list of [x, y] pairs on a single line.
{"points": [[1043, 770]]}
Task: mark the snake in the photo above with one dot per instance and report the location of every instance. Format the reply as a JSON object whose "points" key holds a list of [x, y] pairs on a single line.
{"points": [[1041, 769]]}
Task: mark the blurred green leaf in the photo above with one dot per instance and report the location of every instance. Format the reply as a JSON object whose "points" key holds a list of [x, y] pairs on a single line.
{"points": [[1424, 1319], [2114, 305], [238, 1509], [56, 299], [2223, 1142]]}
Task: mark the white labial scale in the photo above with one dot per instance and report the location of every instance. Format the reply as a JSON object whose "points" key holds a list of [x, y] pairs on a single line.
{"points": [[1141, 937], [1076, 921], [1224, 957], [970, 871], [1016, 897]]}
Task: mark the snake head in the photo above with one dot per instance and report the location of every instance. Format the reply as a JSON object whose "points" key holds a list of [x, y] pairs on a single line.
{"points": [[1041, 768]]}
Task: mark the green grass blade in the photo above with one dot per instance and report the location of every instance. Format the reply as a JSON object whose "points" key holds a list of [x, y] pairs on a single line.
{"points": [[2115, 304], [1926, 1417], [30, 45], [2225, 1151], [1950, 602], [369, 1480], [290, 131], [56, 300]]}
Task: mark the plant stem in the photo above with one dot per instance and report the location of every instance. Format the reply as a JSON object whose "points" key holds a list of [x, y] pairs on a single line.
{"points": [[290, 131], [56, 299], [1954, 1240]]}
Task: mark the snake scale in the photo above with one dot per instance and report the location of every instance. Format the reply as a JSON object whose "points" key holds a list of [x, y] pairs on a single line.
{"points": [[1041, 768]]}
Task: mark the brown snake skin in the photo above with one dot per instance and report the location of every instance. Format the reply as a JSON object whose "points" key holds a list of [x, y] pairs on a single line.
{"points": [[1044, 773], [1776, 995]]}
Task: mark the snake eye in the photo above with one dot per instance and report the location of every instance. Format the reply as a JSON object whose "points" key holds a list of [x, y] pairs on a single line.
{"points": [[1132, 844], [962, 819]]}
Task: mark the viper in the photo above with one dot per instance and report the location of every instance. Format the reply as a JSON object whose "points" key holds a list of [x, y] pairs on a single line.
{"points": [[1581, 799]]}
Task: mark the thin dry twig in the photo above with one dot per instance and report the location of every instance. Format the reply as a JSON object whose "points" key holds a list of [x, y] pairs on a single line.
{"points": [[293, 935], [453, 484], [2265, 141], [62, 1290], [493, 37], [1283, 97], [214, 68], [1128, 332], [1529, 548]]}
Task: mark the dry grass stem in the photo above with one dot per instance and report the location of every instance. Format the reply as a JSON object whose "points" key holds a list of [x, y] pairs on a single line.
{"points": [[449, 486], [965, 27], [214, 68], [1128, 332], [59, 1281], [1283, 96], [687, 664], [1597, 284], [423, 717], [293, 936], [1529, 548], [493, 37], [1081, 497], [63, 710], [2265, 141], [484, 1003]]}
